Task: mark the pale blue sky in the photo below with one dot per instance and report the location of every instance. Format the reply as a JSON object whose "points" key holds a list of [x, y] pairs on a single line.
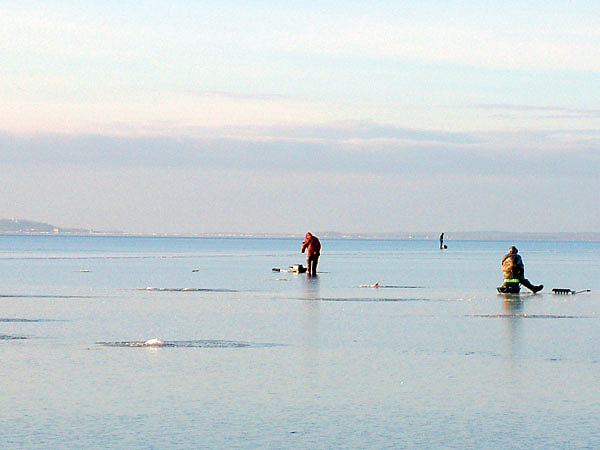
{"points": [[190, 117]]}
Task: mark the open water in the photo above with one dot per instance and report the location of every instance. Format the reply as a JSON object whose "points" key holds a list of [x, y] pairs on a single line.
{"points": [[253, 358]]}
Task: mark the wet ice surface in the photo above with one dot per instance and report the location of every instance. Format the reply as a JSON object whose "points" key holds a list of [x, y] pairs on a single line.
{"points": [[42, 296], [253, 359], [365, 299], [388, 286], [531, 316], [4, 337], [185, 344], [185, 289], [16, 319]]}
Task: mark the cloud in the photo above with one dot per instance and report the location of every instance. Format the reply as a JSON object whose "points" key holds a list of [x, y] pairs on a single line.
{"points": [[540, 112], [497, 37], [236, 95], [507, 35], [340, 131], [345, 148]]}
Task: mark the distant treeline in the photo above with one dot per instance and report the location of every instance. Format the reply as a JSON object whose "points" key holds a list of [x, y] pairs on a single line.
{"points": [[29, 226]]}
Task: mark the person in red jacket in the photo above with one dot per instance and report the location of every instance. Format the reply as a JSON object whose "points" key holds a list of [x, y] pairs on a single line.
{"points": [[312, 245]]}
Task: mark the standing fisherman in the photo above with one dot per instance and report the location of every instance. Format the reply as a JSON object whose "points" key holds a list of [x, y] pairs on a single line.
{"points": [[312, 245]]}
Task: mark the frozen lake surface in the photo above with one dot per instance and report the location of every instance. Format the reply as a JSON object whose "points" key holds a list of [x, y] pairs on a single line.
{"points": [[135, 342]]}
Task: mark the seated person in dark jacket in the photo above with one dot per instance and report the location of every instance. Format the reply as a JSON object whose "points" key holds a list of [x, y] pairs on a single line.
{"points": [[513, 270]]}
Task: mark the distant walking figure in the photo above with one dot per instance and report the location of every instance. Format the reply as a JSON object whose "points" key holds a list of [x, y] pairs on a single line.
{"points": [[513, 270], [312, 245], [442, 240]]}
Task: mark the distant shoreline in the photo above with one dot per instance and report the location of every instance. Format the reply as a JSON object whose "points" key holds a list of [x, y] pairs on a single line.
{"points": [[459, 236], [28, 227]]}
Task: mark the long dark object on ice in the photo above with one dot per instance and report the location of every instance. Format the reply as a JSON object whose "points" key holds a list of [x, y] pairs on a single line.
{"points": [[561, 291]]}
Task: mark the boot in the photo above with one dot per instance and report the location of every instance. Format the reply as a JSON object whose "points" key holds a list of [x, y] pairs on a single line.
{"points": [[525, 282]]}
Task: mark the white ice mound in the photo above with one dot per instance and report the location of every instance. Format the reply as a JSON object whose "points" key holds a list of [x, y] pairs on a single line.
{"points": [[153, 342]]}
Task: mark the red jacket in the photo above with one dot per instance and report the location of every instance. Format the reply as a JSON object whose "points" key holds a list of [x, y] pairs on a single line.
{"points": [[311, 243]]}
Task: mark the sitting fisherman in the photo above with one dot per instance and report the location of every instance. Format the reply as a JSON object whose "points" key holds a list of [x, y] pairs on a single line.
{"points": [[514, 274]]}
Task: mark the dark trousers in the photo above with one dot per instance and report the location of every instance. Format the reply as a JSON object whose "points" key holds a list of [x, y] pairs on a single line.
{"points": [[525, 282], [311, 264]]}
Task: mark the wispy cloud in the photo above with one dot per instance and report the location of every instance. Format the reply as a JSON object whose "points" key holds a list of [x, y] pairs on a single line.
{"points": [[541, 112], [236, 95], [339, 131]]}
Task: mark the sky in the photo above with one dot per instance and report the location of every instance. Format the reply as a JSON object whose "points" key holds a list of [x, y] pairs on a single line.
{"points": [[280, 117]]}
